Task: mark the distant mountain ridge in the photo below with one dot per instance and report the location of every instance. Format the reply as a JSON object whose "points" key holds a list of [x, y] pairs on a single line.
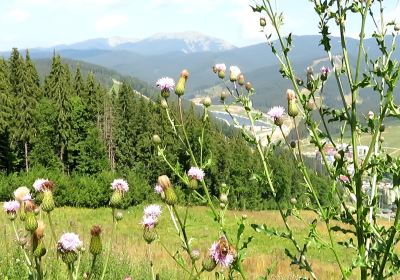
{"points": [[185, 42], [165, 55]]}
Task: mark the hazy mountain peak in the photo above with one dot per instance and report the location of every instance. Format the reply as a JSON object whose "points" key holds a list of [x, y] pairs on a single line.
{"points": [[193, 41], [119, 40]]}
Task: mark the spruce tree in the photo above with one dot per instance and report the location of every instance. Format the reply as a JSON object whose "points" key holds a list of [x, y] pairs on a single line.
{"points": [[59, 90], [79, 86]]}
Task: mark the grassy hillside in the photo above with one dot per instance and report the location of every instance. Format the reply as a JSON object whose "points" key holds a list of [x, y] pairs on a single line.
{"points": [[129, 253]]}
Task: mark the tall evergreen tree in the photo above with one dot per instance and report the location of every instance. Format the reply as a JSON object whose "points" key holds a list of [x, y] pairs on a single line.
{"points": [[59, 90], [79, 86]]}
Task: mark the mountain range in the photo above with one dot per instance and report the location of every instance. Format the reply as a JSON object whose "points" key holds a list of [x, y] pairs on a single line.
{"points": [[166, 54]]}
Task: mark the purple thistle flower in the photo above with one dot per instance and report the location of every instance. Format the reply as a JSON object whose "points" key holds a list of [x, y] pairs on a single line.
{"points": [[158, 189], [149, 221], [165, 84], [220, 67], [39, 184], [69, 242], [120, 185], [153, 210], [196, 173], [276, 112], [325, 70], [27, 197], [11, 207], [222, 253]]}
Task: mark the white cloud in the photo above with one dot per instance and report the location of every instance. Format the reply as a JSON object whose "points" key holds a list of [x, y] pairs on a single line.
{"points": [[110, 22], [249, 23], [18, 15]]}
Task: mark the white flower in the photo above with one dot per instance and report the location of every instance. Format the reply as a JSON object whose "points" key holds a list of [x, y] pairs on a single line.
{"points": [[120, 185], [235, 72]]}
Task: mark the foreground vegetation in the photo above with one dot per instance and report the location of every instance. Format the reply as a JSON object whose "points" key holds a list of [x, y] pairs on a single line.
{"points": [[129, 251]]}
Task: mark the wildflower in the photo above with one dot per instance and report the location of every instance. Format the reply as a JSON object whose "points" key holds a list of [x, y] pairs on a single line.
{"points": [[249, 87], [166, 85], [195, 174], [95, 246], [276, 113], [158, 189], [180, 87], [371, 115], [220, 68], [223, 96], [235, 72], [168, 193], [149, 221], [156, 139], [69, 242], [21, 193], [195, 254], [68, 246], [207, 101], [223, 253], [39, 232], [11, 207], [240, 79], [120, 185], [263, 22], [40, 184], [153, 210], [293, 111], [324, 73]]}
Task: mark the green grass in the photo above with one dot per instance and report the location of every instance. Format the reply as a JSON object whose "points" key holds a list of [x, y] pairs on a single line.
{"points": [[129, 254]]}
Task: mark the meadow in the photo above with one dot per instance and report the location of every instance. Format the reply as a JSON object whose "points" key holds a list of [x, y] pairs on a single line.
{"points": [[130, 251]]}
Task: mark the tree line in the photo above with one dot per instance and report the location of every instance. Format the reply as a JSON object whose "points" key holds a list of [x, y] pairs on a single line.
{"points": [[71, 125]]}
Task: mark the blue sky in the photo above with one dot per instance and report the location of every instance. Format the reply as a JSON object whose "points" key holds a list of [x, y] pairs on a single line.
{"points": [[42, 23]]}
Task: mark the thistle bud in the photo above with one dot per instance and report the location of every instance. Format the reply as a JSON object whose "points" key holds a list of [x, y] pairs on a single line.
{"points": [[180, 87], [164, 182], [170, 196], [39, 232], [278, 121], [293, 144], [224, 95], [263, 22], [119, 216], [222, 205], [207, 101], [337, 157], [249, 87], [149, 234], [293, 111], [69, 257], [193, 184], [209, 263], [382, 128], [195, 254], [223, 197], [221, 74], [310, 106], [235, 72], [293, 201], [95, 246], [22, 241], [240, 79], [299, 82], [397, 27], [116, 199], [31, 223], [164, 103], [48, 201], [381, 139], [40, 250], [156, 139]]}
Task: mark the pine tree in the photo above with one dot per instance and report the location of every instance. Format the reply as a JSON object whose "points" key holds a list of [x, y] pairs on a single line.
{"points": [[79, 86], [6, 155], [58, 88]]}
